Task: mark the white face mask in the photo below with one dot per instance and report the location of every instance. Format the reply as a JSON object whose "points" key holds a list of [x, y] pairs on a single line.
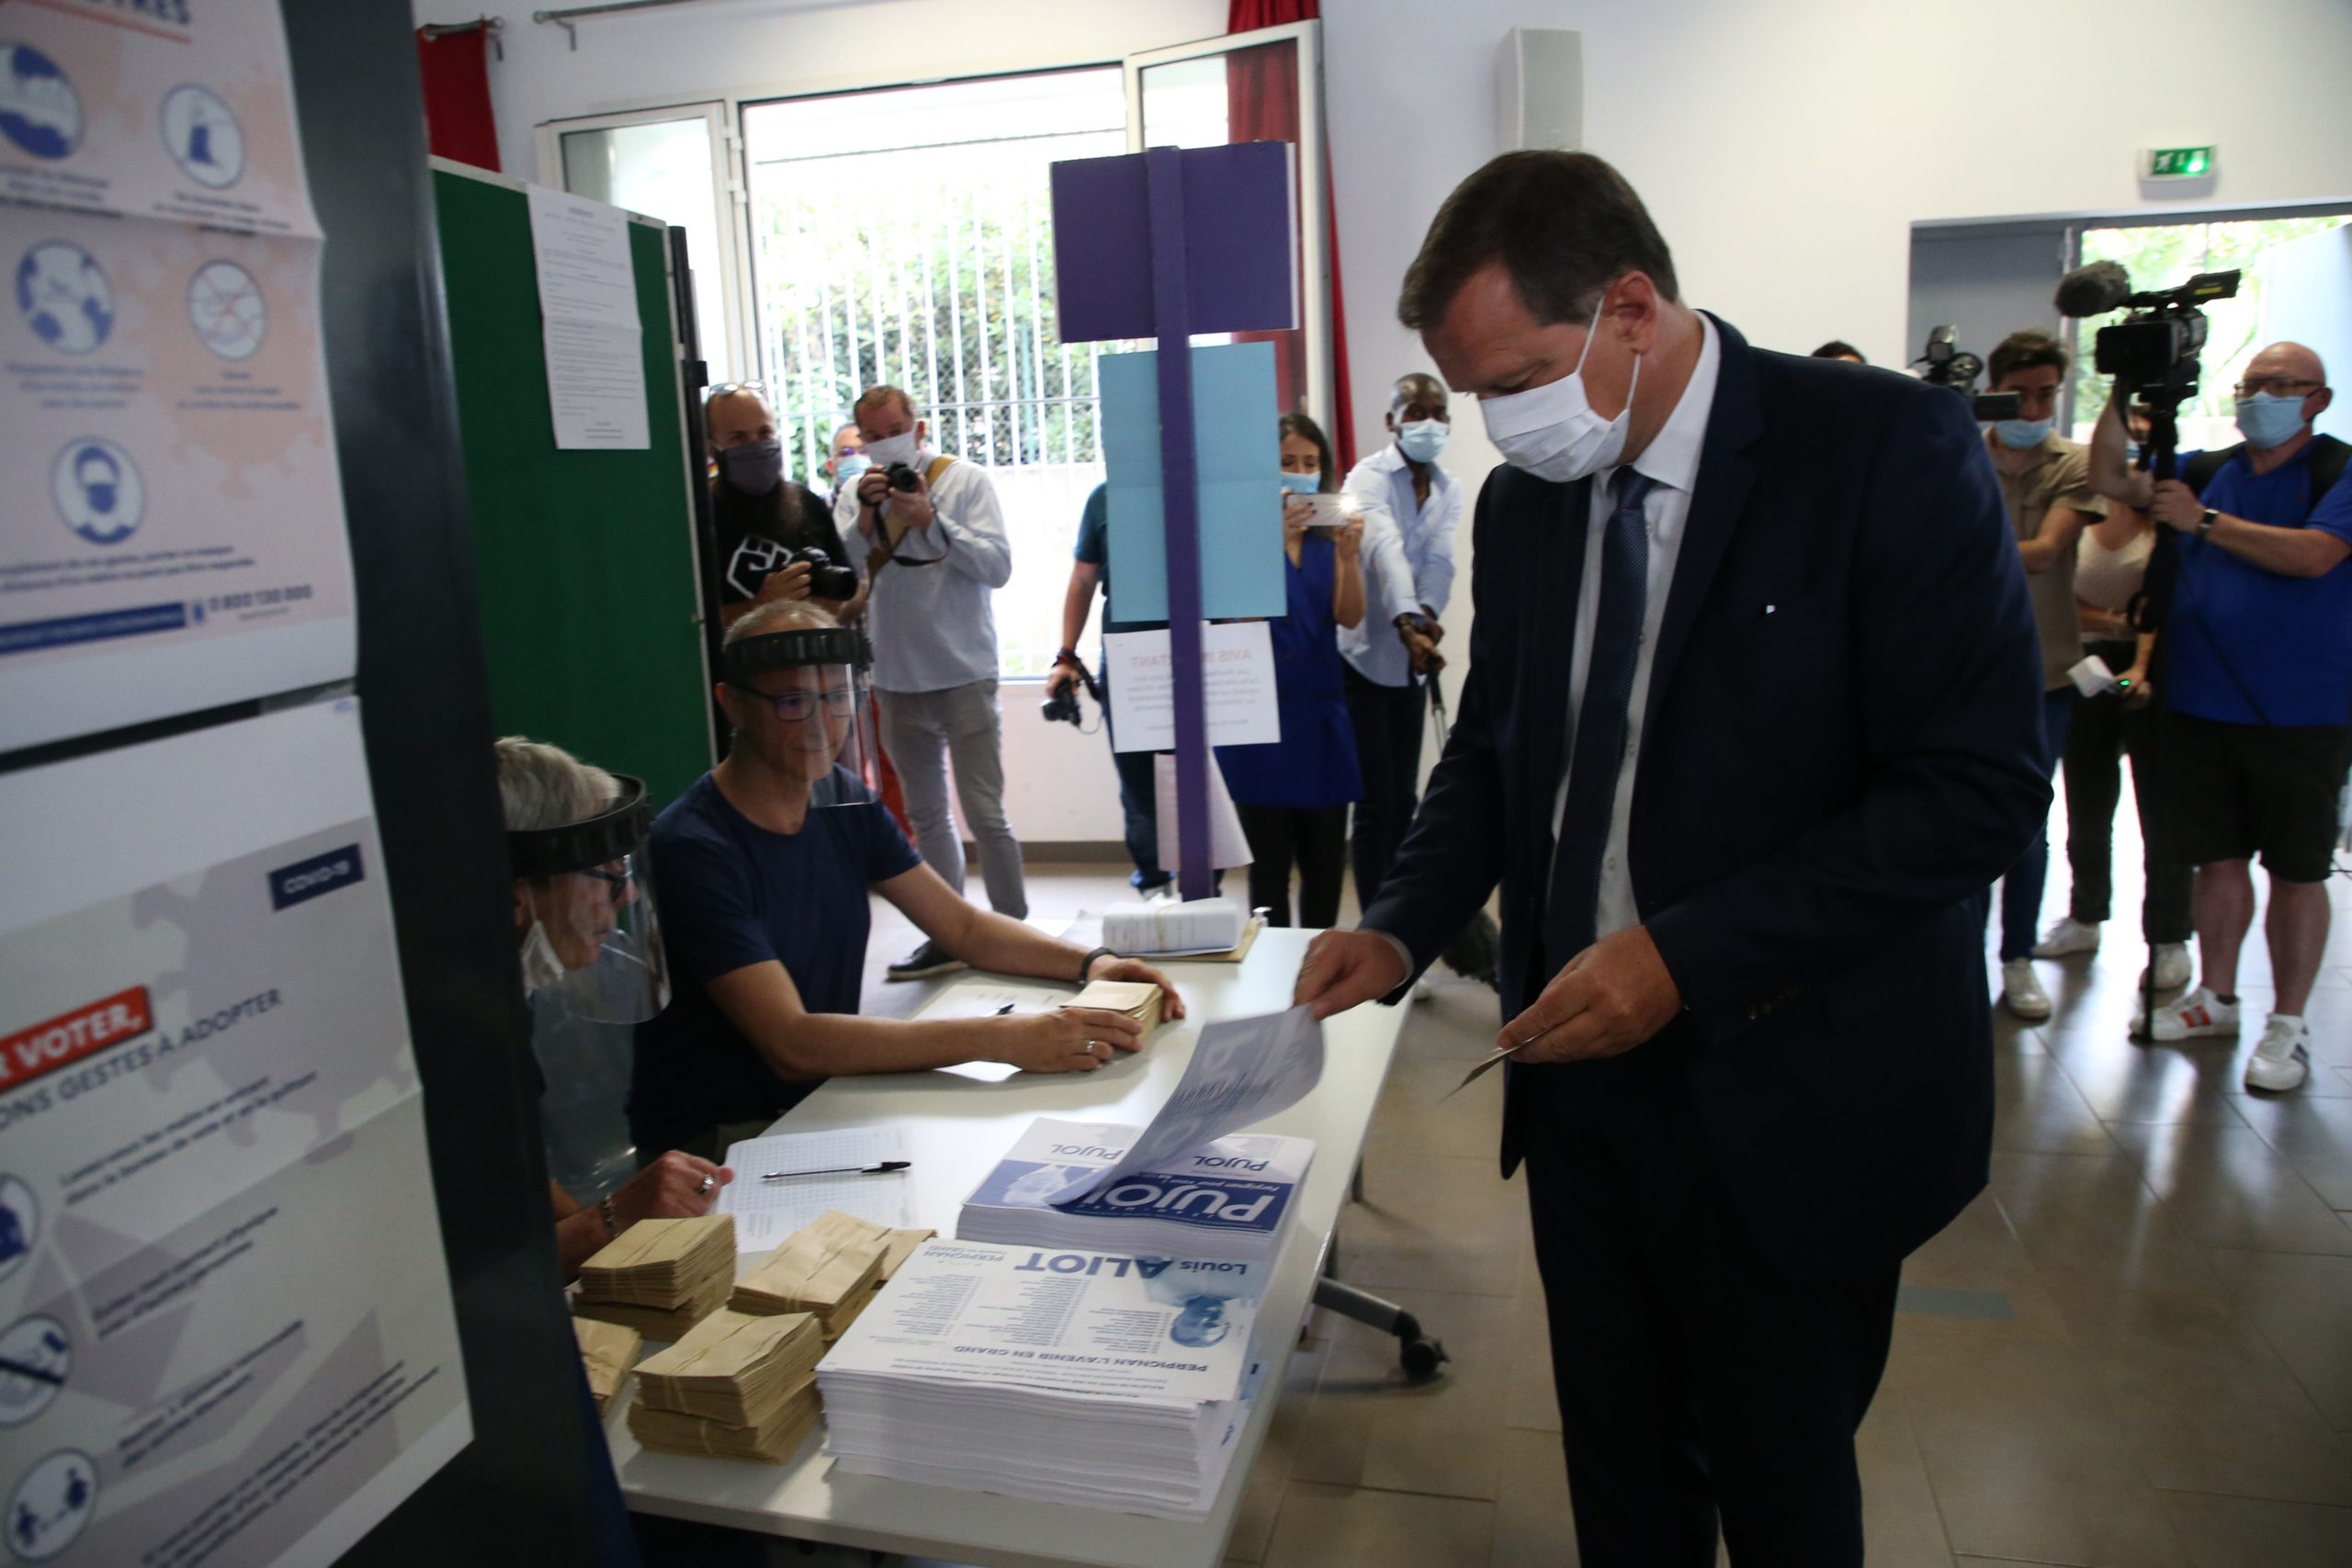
{"points": [[541, 967], [1552, 431], [902, 448]]}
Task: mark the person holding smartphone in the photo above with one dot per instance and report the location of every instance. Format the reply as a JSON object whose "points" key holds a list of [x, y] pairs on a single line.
{"points": [[1293, 795]]}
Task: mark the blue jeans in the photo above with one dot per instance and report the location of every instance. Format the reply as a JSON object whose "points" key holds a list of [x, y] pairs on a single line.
{"points": [[2021, 888]]}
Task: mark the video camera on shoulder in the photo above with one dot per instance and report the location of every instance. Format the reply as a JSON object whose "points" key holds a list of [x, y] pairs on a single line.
{"points": [[2153, 351], [1943, 363]]}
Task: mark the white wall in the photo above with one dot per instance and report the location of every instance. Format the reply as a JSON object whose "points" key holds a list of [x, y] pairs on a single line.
{"points": [[1784, 148]]}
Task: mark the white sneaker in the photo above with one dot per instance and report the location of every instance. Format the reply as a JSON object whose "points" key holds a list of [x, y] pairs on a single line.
{"points": [[2172, 968], [2067, 938], [2194, 1016], [2022, 990], [2283, 1059]]}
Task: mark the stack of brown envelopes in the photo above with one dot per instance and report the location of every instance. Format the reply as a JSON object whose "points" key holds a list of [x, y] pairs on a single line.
{"points": [[608, 1351], [1139, 1000], [737, 1386], [660, 1276], [831, 1268]]}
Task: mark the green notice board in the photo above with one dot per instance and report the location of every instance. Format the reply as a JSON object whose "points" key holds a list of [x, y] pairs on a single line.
{"points": [[584, 560]]}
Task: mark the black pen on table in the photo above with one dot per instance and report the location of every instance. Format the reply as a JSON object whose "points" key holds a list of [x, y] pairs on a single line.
{"points": [[884, 1169]]}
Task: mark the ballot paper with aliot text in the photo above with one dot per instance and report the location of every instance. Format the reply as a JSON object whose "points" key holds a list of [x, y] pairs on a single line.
{"points": [[1149, 1330], [1242, 1071]]}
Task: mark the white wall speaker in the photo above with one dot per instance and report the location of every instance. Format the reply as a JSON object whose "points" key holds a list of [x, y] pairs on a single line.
{"points": [[1539, 89]]}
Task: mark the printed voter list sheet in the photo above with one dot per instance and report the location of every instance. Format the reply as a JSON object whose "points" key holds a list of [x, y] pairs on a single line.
{"points": [[770, 1202], [1242, 1071], [588, 315]]}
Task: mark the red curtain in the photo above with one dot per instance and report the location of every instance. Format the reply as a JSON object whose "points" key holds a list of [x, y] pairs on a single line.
{"points": [[1262, 104], [457, 122]]}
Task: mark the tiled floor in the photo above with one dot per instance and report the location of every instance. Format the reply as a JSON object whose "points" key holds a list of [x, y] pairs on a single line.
{"points": [[2134, 1351]]}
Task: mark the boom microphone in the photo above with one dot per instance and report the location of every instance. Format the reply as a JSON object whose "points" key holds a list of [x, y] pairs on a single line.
{"points": [[2094, 290]]}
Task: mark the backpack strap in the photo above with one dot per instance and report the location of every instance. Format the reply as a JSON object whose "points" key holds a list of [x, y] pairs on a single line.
{"points": [[2328, 458], [2199, 471]]}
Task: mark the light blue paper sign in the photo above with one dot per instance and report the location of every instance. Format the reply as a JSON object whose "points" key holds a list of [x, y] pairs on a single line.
{"points": [[1239, 452]]}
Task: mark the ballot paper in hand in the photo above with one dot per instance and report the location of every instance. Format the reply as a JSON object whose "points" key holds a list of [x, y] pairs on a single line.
{"points": [[1243, 1070]]}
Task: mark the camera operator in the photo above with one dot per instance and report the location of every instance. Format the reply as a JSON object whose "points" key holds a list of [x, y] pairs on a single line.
{"points": [[931, 536], [2045, 486], [775, 536], [2258, 649], [1138, 788]]}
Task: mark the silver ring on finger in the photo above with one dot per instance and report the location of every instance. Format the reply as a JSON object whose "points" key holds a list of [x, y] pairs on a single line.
{"points": [[708, 1183]]}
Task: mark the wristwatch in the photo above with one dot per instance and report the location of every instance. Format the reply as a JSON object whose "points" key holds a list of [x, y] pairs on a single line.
{"points": [[2205, 524]]}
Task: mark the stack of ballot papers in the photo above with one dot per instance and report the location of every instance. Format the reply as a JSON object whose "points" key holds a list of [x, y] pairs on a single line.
{"points": [[606, 1352], [1167, 930], [660, 1276], [1230, 1201], [1139, 1000], [830, 1269], [1095, 1379], [736, 1386]]}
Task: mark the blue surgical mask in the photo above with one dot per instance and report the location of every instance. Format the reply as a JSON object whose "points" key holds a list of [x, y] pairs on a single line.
{"points": [[755, 467], [1301, 484], [2021, 435], [2266, 419], [848, 467], [1423, 439]]}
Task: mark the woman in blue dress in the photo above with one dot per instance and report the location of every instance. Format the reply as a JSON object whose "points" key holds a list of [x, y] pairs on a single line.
{"points": [[1294, 795]]}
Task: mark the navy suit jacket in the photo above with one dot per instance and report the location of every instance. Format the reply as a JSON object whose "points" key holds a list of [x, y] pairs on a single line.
{"points": [[1841, 753]]}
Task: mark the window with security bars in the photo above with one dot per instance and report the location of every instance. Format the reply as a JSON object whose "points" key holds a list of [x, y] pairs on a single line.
{"points": [[905, 236]]}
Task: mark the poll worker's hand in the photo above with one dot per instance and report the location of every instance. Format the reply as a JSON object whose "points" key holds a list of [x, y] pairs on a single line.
{"points": [[1069, 1040], [1344, 969], [1060, 679], [2175, 506], [791, 582], [675, 1187], [1171, 1007], [1613, 996]]}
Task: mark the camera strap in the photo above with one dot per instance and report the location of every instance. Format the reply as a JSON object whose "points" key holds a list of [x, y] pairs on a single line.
{"points": [[886, 552]]}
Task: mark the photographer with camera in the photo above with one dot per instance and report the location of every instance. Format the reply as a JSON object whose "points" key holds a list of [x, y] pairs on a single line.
{"points": [[1139, 789], [776, 540], [2257, 683], [2046, 489], [933, 550]]}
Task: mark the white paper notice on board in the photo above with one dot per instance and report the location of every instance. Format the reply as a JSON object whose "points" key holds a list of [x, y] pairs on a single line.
{"points": [[1228, 846], [588, 311], [171, 538], [1236, 681], [217, 1216]]}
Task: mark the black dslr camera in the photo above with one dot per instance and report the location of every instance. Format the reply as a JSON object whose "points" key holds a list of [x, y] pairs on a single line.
{"points": [[1945, 364], [1062, 708], [902, 478], [826, 579]]}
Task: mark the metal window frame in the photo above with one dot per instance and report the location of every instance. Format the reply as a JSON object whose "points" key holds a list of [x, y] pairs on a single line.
{"points": [[728, 189]]}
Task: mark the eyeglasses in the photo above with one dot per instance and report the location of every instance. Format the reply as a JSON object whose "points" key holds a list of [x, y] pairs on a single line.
{"points": [[729, 389], [616, 880], [797, 705], [2279, 386]]}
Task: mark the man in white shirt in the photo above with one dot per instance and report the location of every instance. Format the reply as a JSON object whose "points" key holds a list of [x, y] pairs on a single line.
{"points": [[1747, 727], [928, 534], [1410, 508]]}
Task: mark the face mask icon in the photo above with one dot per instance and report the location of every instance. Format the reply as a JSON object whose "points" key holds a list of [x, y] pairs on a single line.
{"points": [[97, 491]]}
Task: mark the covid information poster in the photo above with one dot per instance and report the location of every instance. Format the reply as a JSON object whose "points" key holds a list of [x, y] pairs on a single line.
{"points": [[171, 532], [226, 1335]]}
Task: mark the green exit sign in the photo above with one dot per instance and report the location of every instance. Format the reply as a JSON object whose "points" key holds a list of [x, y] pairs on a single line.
{"points": [[2179, 162]]}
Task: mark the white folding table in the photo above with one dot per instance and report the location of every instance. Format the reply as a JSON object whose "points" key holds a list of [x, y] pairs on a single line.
{"points": [[956, 1129]]}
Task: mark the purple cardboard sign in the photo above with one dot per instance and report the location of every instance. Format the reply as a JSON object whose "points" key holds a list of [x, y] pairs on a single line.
{"points": [[1240, 241]]}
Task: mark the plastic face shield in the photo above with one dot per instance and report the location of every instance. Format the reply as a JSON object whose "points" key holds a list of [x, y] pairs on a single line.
{"points": [[593, 947], [806, 711]]}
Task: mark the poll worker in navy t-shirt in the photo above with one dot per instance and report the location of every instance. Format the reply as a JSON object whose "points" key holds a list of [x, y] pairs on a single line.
{"points": [[2257, 642], [762, 892]]}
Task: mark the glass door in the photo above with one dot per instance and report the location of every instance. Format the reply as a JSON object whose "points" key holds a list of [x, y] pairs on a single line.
{"points": [[676, 165], [1265, 85]]}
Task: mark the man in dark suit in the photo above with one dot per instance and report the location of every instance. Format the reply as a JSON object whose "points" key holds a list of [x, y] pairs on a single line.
{"points": [[1749, 726]]}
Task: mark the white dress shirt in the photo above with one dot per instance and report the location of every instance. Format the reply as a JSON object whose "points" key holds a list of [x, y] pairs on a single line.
{"points": [[1672, 460], [933, 626], [1408, 559]]}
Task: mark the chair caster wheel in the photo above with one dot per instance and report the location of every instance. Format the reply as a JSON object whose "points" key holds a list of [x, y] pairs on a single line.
{"points": [[1421, 1357]]}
